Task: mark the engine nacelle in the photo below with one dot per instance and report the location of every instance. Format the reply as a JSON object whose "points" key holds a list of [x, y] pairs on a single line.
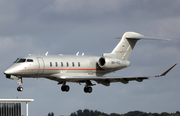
{"points": [[112, 63]]}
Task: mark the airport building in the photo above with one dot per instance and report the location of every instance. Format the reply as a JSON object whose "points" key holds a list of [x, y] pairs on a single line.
{"points": [[12, 107]]}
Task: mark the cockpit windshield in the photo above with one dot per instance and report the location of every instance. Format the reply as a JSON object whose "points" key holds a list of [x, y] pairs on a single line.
{"points": [[16, 60], [21, 60]]}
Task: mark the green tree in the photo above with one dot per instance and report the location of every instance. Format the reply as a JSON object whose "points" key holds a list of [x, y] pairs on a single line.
{"points": [[151, 115], [51, 114], [87, 112], [114, 114], [134, 113]]}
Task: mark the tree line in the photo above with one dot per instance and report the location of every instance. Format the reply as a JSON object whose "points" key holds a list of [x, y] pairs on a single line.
{"points": [[87, 112]]}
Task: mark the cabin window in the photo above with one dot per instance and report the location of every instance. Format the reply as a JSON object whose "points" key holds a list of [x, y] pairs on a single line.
{"points": [[61, 64], [67, 64], [29, 60], [73, 64], [79, 64], [56, 64], [50, 64]]}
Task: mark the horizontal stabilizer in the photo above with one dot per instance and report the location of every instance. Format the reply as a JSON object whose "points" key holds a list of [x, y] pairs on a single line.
{"points": [[133, 35], [147, 38], [137, 36]]}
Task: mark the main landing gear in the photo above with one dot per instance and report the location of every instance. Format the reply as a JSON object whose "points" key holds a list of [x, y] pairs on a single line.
{"points": [[20, 88], [88, 89], [65, 88]]}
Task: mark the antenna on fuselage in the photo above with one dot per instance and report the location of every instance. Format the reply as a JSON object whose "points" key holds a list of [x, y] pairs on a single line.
{"points": [[46, 53], [77, 53]]}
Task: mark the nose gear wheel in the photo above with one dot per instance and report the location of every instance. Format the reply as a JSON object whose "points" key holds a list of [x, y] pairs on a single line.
{"points": [[20, 89]]}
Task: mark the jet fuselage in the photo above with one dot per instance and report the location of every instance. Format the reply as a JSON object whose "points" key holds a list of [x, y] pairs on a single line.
{"points": [[63, 66]]}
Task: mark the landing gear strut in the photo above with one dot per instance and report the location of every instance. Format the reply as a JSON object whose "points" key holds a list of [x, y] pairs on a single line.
{"points": [[20, 89], [64, 87]]}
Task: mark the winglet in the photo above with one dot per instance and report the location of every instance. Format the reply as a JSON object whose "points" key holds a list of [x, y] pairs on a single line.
{"points": [[163, 74]]}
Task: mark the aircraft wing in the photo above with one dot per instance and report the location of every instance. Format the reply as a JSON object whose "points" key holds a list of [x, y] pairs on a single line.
{"points": [[106, 80]]}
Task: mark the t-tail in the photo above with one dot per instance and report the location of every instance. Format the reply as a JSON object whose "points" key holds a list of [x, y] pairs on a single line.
{"points": [[126, 45]]}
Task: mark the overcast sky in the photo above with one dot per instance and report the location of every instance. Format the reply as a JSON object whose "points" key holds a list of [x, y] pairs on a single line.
{"points": [[90, 26]]}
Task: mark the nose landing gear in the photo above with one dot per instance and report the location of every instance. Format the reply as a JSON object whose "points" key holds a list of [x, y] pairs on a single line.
{"points": [[20, 89]]}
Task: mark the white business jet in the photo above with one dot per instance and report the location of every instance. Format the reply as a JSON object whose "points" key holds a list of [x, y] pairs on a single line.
{"points": [[80, 68]]}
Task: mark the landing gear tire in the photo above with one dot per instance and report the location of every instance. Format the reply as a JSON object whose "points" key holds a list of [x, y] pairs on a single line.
{"points": [[65, 88], [20, 89], [88, 89]]}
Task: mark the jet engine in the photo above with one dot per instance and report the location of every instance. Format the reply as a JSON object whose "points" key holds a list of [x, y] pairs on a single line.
{"points": [[112, 63]]}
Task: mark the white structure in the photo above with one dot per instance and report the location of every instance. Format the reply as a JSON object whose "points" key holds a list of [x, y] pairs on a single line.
{"points": [[17, 101]]}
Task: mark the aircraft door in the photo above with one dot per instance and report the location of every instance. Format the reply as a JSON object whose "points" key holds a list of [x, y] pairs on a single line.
{"points": [[41, 66]]}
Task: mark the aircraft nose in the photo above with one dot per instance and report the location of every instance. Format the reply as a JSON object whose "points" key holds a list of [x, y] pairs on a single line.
{"points": [[9, 75], [6, 72]]}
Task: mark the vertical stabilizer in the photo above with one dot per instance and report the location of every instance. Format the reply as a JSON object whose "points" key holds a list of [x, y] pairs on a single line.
{"points": [[125, 46]]}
